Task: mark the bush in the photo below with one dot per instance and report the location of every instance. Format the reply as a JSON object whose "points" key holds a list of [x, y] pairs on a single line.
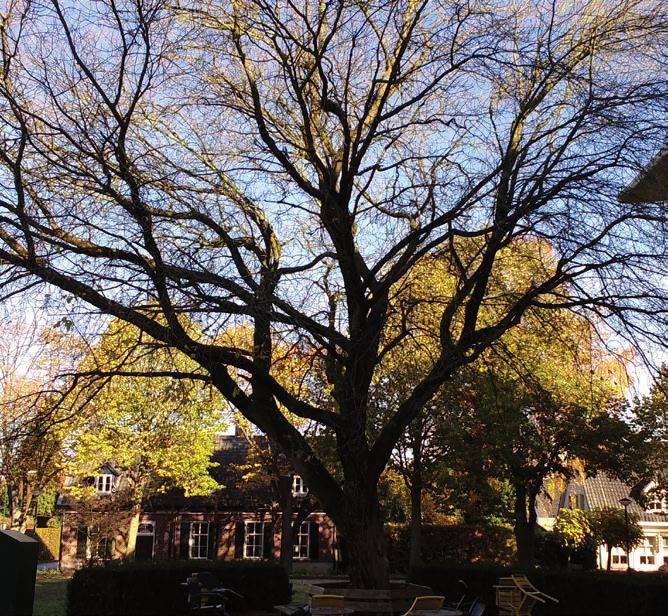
{"points": [[142, 589], [49, 543], [551, 553], [594, 593], [457, 543]]}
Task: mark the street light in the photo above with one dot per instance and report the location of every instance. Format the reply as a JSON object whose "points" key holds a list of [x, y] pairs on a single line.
{"points": [[625, 502]]}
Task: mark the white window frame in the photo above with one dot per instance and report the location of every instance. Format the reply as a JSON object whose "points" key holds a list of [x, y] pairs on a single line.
{"points": [[298, 486], [302, 540], [657, 505], [198, 549], [648, 550], [104, 483], [253, 550]]}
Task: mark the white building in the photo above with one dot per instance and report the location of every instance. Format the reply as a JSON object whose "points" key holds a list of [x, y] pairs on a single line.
{"points": [[603, 491]]}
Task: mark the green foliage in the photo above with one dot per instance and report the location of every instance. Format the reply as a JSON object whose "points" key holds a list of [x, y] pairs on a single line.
{"points": [[608, 526], [594, 593], [157, 431], [146, 589], [571, 528], [457, 542], [46, 501], [651, 414], [49, 543], [550, 552]]}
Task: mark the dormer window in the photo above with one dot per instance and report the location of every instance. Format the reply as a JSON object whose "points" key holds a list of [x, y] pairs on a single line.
{"points": [[298, 486], [657, 505], [104, 483]]}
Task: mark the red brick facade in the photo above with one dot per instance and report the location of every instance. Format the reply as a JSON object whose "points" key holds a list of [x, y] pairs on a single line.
{"points": [[80, 543]]}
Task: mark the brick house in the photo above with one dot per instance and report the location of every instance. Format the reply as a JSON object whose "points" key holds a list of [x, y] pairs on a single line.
{"points": [[231, 523]]}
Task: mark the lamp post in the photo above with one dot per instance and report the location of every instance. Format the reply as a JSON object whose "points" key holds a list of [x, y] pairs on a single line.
{"points": [[625, 502]]}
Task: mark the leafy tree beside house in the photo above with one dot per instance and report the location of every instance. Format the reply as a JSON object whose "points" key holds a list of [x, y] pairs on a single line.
{"points": [[532, 409], [155, 431], [608, 526]]}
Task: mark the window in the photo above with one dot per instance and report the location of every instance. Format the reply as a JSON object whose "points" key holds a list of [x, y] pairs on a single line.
{"points": [[254, 540], [657, 505], [619, 559], [580, 501], [146, 529], [199, 539], [102, 549], [648, 550], [104, 483], [298, 486], [301, 540]]}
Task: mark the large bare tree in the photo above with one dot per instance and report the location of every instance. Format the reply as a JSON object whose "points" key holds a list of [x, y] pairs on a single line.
{"points": [[283, 165]]}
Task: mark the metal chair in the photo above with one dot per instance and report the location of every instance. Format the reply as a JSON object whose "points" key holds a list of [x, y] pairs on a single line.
{"points": [[204, 602], [477, 608], [211, 601], [516, 596]]}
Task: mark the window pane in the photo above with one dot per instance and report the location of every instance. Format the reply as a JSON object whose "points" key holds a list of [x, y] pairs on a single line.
{"points": [[301, 541], [199, 539], [253, 546]]}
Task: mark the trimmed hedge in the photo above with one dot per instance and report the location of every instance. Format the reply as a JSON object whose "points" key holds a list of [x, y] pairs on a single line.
{"points": [[458, 543], [49, 543], [590, 593], [143, 589]]}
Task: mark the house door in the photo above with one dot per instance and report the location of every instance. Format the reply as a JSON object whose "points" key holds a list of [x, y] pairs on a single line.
{"points": [[145, 537]]}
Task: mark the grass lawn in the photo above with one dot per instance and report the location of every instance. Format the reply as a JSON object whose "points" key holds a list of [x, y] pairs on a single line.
{"points": [[50, 594]]}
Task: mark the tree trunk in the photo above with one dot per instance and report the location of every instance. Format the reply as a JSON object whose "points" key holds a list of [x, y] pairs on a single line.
{"points": [[132, 533], [525, 526], [609, 565], [20, 500], [415, 550], [286, 524], [362, 528]]}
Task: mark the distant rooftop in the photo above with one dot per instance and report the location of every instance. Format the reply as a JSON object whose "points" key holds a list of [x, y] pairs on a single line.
{"points": [[651, 185]]}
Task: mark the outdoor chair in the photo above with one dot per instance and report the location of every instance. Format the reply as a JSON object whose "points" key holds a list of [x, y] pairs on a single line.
{"points": [[426, 602], [204, 602], [464, 600], [477, 608], [524, 584], [516, 596], [208, 580]]}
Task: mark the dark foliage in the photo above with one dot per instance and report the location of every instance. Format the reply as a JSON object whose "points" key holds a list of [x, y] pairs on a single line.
{"points": [[594, 593], [143, 589], [459, 543]]}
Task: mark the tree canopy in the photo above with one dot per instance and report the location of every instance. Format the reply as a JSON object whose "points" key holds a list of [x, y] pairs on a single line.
{"points": [[283, 166]]}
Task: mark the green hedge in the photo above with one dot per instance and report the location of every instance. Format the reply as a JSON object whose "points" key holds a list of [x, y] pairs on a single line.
{"points": [[590, 593], [142, 589], [458, 543], [49, 543]]}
